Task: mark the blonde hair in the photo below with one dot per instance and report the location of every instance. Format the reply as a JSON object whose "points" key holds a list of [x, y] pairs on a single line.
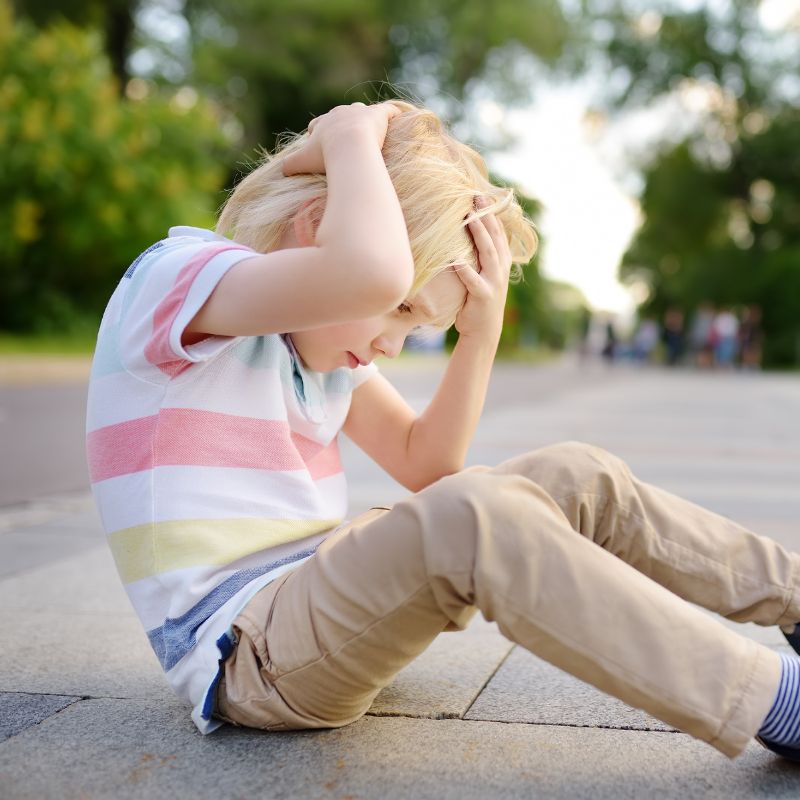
{"points": [[436, 177]]}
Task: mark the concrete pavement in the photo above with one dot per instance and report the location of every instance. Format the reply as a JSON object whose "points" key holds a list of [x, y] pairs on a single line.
{"points": [[85, 711]]}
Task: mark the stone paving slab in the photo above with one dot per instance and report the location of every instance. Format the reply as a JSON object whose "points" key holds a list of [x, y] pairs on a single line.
{"points": [[528, 689], [32, 537], [445, 680], [85, 583], [141, 750], [19, 711], [60, 608], [720, 441], [78, 654], [440, 683]]}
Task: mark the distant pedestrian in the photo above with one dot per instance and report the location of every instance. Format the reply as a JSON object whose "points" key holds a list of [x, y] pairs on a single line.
{"points": [[584, 333], [726, 330], [751, 338], [673, 335], [645, 340], [609, 350], [701, 336]]}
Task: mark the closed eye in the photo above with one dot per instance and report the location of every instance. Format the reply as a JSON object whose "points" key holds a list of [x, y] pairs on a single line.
{"points": [[404, 308]]}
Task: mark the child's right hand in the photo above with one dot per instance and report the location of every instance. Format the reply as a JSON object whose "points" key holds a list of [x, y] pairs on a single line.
{"points": [[339, 122]]}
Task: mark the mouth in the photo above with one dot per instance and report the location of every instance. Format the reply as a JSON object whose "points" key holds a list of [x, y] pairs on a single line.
{"points": [[354, 360]]}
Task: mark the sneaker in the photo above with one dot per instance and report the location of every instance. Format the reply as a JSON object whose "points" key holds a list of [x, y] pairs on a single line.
{"points": [[792, 635], [792, 753]]}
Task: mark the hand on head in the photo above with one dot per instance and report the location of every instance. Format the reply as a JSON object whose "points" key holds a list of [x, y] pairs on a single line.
{"points": [[339, 122], [482, 313]]}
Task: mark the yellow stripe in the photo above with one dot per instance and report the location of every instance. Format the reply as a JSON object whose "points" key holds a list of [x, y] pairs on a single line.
{"points": [[146, 550]]}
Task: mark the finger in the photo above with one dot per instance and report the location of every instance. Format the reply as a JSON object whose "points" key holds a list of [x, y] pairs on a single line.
{"points": [[498, 233], [392, 109], [482, 238], [473, 282], [299, 162]]}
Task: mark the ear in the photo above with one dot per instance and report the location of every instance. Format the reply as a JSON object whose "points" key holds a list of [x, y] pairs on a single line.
{"points": [[305, 223]]}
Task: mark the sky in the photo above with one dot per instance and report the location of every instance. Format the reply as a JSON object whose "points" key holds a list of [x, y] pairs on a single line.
{"points": [[588, 217], [584, 169]]}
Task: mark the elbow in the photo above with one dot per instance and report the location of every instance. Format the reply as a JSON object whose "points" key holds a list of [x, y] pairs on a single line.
{"points": [[381, 282], [419, 481]]}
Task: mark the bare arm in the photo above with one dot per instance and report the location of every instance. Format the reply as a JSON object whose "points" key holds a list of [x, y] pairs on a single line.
{"points": [[350, 272], [417, 451]]}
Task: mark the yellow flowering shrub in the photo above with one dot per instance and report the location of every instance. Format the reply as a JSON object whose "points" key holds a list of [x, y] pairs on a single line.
{"points": [[90, 176]]}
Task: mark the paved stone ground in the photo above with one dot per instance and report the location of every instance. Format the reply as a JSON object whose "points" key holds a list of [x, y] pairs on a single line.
{"points": [[85, 712]]}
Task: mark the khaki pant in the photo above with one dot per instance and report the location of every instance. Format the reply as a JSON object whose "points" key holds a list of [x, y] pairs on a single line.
{"points": [[573, 557]]}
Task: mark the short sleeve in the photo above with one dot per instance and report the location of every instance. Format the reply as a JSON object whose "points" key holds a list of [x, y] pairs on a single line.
{"points": [[361, 374], [168, 286]]}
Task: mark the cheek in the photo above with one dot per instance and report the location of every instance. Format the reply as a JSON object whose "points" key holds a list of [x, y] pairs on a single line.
{"points": [[353, 332]]}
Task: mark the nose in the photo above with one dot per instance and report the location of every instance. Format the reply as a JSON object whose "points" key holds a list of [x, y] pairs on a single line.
{"points": [[390, 344]]}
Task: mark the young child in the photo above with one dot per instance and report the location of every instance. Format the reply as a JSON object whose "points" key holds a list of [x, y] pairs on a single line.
{"points": [[225, 370]]}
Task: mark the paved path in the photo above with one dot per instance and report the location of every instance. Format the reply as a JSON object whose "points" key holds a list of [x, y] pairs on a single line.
{"points": [[84, 710]]}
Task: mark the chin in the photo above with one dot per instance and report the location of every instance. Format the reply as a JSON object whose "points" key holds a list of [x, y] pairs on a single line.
{"points": [[322, 365]]}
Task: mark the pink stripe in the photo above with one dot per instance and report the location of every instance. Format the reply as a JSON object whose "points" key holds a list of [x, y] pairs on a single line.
{"points": [[321, 462], [158, 350], [188, 437], [120, 449]]}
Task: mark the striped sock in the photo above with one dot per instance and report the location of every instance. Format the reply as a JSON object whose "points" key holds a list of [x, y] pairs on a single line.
{"points": [[782, 725]]}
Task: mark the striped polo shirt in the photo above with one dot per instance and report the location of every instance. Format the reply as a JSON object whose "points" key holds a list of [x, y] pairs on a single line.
{"points": [[215, 466]]}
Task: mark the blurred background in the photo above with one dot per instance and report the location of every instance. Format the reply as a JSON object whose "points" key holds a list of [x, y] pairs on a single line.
{"points": [[655, 143]]}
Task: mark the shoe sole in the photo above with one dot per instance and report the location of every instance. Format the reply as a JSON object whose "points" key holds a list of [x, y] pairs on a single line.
{"points": [[791, 753], [793, 639]]}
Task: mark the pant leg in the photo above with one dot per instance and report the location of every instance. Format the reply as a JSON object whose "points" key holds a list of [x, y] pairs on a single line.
{"points": [[316, 648], [699, 555]]}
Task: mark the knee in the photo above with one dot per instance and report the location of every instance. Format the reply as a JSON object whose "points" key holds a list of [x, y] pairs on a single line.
{"points": [[570, 467], [459, 505], [462, 492], [478, 502]]}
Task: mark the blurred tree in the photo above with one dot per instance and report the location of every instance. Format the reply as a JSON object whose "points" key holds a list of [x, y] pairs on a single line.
{"points": [[271, 66], [279, 64], [88, 179], [720, 207], [114, 17]]}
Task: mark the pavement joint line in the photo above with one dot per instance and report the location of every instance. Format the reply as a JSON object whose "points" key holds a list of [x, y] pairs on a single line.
{"points": [[46, 694], [75, 700], [444, 717], [570, 725], [398, 715], [489, 679]]}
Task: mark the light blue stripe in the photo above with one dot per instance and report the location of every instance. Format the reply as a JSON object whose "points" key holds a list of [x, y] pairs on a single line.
{"points": [[782, 723], [177, 636], [260, 352], [106, 360], [789, 712]]}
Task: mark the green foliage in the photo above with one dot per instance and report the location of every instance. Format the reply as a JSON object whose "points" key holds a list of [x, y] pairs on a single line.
{"points": [[727, 234], [528, 317], [88, 179], [94, 178], [721, 209], [289, 60]]}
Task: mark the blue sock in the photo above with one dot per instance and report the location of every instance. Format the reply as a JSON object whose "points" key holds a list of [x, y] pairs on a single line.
{"points": [[782, 725]]}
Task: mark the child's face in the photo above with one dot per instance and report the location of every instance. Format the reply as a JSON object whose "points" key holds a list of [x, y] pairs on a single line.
{"points": [[347, 345]]}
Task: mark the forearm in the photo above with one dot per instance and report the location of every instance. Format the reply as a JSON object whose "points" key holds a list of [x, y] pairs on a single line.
{"points": [[362, 200], [440, 437]]}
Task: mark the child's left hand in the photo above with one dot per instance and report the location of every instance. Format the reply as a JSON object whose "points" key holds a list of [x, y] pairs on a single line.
{"points": [[482, 312]]}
